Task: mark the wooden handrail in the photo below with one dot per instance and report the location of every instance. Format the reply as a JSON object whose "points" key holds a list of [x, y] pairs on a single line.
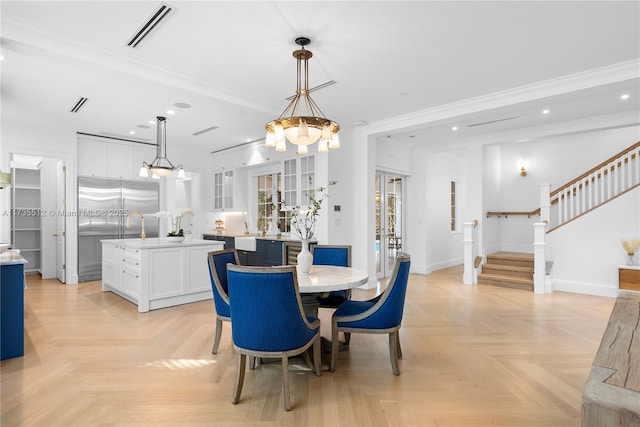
{"points": [[554, 194], [595, 169], [506, 214]]}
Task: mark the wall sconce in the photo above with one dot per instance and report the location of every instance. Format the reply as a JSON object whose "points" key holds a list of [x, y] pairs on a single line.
{"points": [[522, 167], [5, 179]]}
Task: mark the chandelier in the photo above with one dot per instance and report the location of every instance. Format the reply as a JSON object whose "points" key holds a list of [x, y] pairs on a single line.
{"points": [[302, 122], [160, 166]]}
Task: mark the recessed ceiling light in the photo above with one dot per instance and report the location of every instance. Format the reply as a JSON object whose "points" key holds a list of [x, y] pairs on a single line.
{"points": [[412, 136], [171, 112], [455, 128], [545, 111], [624, 96], [152, 122], [143, 126], [182, 105], [1, 57], [131, 132]]}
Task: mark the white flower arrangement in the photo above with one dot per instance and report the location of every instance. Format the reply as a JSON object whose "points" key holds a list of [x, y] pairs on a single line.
{"points": [[303, 220], [176, 220]]}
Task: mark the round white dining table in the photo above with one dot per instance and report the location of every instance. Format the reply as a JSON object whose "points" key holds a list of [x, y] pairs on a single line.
{"points": [[327, 278]]}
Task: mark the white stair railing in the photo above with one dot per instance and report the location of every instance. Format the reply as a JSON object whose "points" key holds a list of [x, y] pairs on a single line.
{"points": [[598, 186]]}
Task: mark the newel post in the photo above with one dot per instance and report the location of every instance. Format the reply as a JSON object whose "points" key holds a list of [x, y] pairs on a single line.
{"points": [[539, 257], [545, 202], [468, 276]]}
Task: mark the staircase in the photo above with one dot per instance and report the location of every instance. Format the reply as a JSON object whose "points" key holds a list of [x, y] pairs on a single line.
{"points": [[509, 270]]}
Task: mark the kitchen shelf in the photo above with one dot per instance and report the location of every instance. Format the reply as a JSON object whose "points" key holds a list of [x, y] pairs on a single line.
{"points": [[25, 218]]}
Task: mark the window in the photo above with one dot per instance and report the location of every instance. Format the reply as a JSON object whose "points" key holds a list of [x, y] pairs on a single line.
{"points": [[455, 206], [270, 205], [299, 180], [265, 203]]}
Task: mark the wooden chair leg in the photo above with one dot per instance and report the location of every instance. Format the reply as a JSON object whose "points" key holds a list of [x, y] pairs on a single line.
{"points": [[393, 352], [237, 388], [252, 362], [216, 341], [334, 346], [317, 347], [399, 347], [285, 383], [347, 337]]}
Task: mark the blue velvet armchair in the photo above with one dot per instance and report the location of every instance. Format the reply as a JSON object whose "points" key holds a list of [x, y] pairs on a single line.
{"points": [[332, 255], [218, 261], [269, 321], [380, 315]]}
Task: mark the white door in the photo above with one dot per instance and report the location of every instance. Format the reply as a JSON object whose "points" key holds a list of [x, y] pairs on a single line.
{"points": [[389, 215], [61, 202]]}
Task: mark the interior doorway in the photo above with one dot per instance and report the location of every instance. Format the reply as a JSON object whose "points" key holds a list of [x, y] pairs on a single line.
{"points": [[389, 194], [38, 215]]}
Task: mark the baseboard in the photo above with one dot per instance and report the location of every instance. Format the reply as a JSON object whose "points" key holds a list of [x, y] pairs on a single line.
{"points": [[597, 289], [444, 264]]}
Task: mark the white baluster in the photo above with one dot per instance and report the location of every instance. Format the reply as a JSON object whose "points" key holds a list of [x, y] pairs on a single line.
{"points": [[637, 166], [539, 257], [467, 242]]}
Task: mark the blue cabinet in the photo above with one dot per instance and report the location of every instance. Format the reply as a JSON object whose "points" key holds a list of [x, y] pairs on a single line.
{"points": [[11, 311]]}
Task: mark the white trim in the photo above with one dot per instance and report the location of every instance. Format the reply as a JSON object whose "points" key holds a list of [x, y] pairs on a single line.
{"points": [[597, 289], [587, 79]]}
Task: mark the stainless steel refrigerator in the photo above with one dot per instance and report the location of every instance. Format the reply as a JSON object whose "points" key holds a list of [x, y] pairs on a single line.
{"points": [[103, 207]]}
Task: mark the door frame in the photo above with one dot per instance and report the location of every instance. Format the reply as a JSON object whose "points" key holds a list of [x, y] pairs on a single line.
{"points": [[381, 252]]}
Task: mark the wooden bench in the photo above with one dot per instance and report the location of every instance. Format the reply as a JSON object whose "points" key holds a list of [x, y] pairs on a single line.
{"points": [[611, 396]]}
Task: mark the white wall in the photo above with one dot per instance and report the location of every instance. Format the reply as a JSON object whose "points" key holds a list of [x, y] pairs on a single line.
{"points": [[22, 137], [555, 160], [445, 246], [586, 252]]}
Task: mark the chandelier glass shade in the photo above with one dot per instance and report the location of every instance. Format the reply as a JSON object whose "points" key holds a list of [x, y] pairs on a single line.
{"points": [[302, 122], [160, 166]]}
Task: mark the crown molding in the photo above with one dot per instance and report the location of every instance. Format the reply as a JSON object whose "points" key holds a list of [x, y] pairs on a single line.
{"points": [[43, 39], [619, 72]]}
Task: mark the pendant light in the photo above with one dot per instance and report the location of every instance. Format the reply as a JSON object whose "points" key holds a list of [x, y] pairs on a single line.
{"points": [[160, 166], [302, 122]]}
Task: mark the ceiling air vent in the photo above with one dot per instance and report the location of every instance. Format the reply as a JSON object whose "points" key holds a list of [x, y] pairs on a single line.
{"points": [[157, 16], [495, 121], [78, 105], [200, 132], [315, 88]]}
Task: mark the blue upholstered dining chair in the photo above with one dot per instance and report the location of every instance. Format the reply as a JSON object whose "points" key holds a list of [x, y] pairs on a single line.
{"points": [[380, 315], [218, 261], [269, 321], [332, 255]]}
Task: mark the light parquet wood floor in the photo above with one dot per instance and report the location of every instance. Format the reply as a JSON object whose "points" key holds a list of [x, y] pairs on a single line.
{"points": [[473, 356]]}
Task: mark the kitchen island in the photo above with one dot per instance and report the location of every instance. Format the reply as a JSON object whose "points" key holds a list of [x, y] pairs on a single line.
{"points": [[155, 273]]}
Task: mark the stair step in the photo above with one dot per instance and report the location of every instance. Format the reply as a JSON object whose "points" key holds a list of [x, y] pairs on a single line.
{"points": [[511, 258], [506, 281], [508, 270]]}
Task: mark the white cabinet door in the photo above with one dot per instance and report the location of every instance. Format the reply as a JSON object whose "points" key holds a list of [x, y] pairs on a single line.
{"points": [[111, 265], [198, 269], [92, 158], [120, 157], [166, 273], [223, 190]]}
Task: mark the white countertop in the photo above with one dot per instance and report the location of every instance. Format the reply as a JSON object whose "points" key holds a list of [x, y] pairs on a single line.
{"points": [[257, 236], [326, 278], [11, 258], [629, 267], [158, 242]]}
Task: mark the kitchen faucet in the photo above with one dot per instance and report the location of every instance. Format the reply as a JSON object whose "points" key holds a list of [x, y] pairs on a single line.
{"points": [[142, 235]]}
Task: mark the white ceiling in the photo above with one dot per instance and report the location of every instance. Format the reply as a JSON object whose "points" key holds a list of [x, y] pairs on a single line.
{"points": [[455, 63]]}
